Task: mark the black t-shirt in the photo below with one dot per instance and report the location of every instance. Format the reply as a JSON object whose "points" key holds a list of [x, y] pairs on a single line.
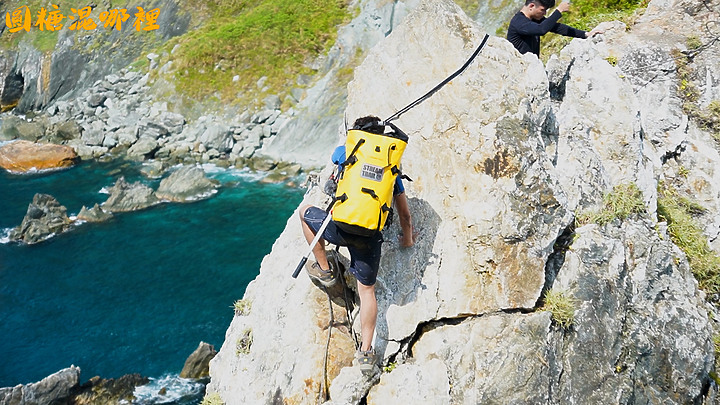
{"points": [[525, 33]]}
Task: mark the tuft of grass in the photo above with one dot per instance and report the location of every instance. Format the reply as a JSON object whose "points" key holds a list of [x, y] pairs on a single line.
{"points": [[242, 307], [587, 14], [612, 60], [390, 367], [252, 39], [622, 202], [679, 213], [561, 306], [212, 399], [693, 42]]}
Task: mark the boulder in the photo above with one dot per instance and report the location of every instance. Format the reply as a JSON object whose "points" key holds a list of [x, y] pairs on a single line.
{"points": [[143, 148], [64, 131], [218, 137], [23, 156], [18, 128], [96, 100], [45, 218], [188, 183], [54, 389], [129, 197], [198, 364]]}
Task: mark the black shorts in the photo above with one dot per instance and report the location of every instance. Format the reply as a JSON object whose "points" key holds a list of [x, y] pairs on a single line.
{"points": [[364, 250]]}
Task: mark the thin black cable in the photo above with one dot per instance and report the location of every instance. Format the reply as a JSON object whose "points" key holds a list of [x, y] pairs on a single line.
{"points": [[324, 395], [439, 86]]}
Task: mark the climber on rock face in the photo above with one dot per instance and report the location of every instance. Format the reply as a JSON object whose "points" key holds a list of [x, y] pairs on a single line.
{"points": [[364, 249], [529, 24]]}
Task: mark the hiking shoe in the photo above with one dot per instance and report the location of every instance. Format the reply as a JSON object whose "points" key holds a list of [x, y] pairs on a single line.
{"points": [[366, 360], [325, 277]]}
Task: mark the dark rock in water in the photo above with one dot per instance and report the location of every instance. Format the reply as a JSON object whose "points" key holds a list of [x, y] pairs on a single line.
{"points": [[186, 184], [45, 217], [98, 391], [53, 389], [94, 214], [129, 197], [198, 364]]}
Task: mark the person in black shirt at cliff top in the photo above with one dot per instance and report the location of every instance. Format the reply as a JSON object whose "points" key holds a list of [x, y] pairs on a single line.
{"points": [[529, 24]]}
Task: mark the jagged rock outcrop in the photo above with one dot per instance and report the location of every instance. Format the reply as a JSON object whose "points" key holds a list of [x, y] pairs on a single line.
{"points": [[125, 197], [197, 364], [64, 387], [188, 183], [110, 391], [45, 217], [504, 157], [93, 214], [24, 156], [50, 390]]}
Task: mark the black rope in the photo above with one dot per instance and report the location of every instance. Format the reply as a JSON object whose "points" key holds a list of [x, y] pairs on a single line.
{"points": [[324, 393], [443, 83]]}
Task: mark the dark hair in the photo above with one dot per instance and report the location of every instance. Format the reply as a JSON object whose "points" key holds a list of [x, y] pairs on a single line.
{"points": [[544, 3], [369, 123]]}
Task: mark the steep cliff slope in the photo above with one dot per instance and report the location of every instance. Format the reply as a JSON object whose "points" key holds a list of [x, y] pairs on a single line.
{"points": [[504, 158]]}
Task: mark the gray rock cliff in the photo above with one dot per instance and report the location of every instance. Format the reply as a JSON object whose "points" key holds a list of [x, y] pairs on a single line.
{"points": [[504, 158]]}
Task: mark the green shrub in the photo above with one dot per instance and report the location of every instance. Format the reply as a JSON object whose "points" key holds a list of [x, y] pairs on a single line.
{"points": [[624, 200], [561, 307], [242, 307], [685, 232], [693, 42]]}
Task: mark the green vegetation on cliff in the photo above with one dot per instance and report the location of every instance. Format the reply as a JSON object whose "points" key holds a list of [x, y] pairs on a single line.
{"points": [[679, 212], [624, 200], [244, 41], [587, 14]]}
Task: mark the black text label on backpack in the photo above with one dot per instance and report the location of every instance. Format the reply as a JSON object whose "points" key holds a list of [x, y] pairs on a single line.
{"points": [[371, 172]]}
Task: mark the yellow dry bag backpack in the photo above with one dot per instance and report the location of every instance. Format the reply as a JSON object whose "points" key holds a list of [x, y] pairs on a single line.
{"points": [[367, 177]]}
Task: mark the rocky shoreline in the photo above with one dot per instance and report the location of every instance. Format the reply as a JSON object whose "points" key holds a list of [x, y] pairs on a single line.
{"points": [[64, 387], [117, 116]]}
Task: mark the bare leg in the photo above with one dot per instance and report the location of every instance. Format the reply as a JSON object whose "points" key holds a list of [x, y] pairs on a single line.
{"points": [[319, 248], [368, 314]]}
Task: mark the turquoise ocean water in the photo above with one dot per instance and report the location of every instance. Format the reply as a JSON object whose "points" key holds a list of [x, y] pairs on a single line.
{"points": [[135, 294]]}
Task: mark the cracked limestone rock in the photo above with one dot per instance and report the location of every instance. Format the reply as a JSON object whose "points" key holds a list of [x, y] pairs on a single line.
{"points": [[503, 158]]}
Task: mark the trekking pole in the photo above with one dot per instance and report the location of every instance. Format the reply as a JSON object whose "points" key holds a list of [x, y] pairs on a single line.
{"points": [[315, 240]]}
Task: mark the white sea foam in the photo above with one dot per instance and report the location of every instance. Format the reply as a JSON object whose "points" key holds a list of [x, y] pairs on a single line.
{"points": [[222, 173], [5, 235], [174, 389]]}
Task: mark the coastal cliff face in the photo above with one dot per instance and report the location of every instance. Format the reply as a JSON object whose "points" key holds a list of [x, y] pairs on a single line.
{"points": [[505, 158]]}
